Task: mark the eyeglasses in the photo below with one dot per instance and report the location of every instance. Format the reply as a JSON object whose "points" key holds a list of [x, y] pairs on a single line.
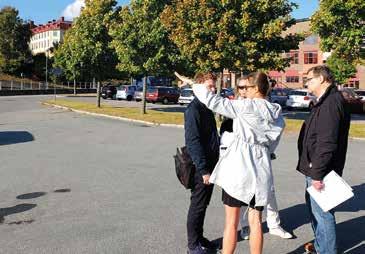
{"points": [[244, 87], [309, 79]]}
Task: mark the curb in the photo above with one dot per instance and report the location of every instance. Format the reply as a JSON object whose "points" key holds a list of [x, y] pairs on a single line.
{"points": [[357, 139], [114, 117], [136, 121]]}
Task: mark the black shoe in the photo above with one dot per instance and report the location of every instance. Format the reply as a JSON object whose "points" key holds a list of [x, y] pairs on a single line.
{"points": [[197, 250], [208, 244]]}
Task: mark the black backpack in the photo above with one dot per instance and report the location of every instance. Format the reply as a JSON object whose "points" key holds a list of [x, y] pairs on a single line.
{"points": [[184, 167]]}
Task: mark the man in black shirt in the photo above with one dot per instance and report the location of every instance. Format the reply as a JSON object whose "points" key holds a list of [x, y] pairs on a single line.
{"points": [[202, 142]]}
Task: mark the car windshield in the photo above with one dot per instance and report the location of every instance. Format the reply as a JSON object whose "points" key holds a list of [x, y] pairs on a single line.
{"points": [[121, 88], [187, 93]]}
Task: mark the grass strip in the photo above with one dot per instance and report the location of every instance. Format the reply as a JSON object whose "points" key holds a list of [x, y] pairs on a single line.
{"points": [[357, 130]]}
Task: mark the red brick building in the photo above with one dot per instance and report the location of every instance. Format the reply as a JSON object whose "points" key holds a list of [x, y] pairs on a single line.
{"points": [[308, 55]]}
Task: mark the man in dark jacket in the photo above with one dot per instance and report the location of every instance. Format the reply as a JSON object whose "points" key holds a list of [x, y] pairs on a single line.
{"points": [[201, 138], [322, 147]]}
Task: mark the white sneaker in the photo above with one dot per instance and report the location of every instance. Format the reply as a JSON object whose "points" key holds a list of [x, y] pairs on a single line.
{"points": [[245, 233], [279, 231]]}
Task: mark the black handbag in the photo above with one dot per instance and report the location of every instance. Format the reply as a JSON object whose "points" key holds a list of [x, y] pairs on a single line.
{"points": [[184, 167]]}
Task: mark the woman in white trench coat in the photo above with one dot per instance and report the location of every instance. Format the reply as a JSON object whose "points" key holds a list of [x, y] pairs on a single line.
{"points": [[244, 171]]}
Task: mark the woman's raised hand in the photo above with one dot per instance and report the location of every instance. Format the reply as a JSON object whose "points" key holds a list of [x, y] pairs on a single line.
{"points": [[184, 79]]}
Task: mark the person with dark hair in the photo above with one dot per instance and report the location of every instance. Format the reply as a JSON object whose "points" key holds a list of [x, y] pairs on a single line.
{"points": [[322, 147], [201, 139], [244, 171], [272, 211]]}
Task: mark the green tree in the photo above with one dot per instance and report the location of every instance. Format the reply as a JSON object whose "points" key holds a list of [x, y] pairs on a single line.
{"points": [[85, 52], [340, 25], [237, 35], [142, 43], [342, 70], [14, 37]]}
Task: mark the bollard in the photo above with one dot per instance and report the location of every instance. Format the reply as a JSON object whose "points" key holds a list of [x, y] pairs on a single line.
{"points": [[0, 85], [11, 85]]}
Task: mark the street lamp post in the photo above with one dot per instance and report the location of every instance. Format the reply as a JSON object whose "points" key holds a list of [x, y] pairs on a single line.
{"points": [[46, 69]]}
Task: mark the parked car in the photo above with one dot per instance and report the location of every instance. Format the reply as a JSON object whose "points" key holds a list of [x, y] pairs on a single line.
{"points": [[227, 93], [279, 96], [138, 94], [300, 99], [162, 94], [108, 91], [125, 92], [361, 94], [186, 96], [356, 105]]}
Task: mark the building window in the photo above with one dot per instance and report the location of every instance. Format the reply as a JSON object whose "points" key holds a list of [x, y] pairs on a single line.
{"points": [[55, 33], [292, 79], [354, 83], [294, 57], [311, 57]]}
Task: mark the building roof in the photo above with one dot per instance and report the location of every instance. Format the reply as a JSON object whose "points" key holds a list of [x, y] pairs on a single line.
{"points": [[60, 24]]}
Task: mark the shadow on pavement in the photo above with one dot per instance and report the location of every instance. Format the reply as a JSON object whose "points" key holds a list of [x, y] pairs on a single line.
{"points": [[62, 190], [31, 195], [15, 209], [14, 137], [356, 203], [170, 109], [349, 233]]}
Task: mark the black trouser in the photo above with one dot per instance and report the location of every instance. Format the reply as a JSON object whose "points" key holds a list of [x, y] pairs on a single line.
{"points": [[199, 201]]}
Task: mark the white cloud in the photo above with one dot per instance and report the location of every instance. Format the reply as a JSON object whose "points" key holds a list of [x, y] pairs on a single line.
{"points": [[73, 10]]}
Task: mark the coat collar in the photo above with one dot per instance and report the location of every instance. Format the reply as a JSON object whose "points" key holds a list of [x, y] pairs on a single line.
{"points": [[331, 89]]}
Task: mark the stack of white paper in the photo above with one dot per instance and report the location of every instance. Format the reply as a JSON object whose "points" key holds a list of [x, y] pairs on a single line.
{"points": [[335, 192]]}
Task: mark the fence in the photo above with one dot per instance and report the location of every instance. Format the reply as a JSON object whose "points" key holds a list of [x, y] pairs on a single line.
{"points": [[16, 85]]}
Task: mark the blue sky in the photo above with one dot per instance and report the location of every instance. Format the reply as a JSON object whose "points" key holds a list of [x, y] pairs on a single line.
{"points": [[42, 11]]}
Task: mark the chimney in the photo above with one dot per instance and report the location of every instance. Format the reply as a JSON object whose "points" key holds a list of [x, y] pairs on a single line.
{"points": [[62, 19]]}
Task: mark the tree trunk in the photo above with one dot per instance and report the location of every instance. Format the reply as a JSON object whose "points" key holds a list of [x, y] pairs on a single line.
{"points": [[98, 95], [143, 109]]}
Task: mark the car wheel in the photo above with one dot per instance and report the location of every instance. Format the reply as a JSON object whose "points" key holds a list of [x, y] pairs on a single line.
{"points": [[165, 101], [181, 104], [289, 108], [129, 98], [119, 99]]}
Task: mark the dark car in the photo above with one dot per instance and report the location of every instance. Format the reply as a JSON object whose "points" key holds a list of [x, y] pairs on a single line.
{"points": [[361, 94], [227, 93], [162, 94], [108, 91], [356, 105], [279, 96]]}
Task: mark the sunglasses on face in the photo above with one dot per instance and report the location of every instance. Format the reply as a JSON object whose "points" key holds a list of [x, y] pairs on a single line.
{"points": [[244, 87]]}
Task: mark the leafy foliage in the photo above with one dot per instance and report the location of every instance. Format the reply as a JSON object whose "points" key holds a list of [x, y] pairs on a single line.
{"points": [[237, 35], [14, 37]]}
